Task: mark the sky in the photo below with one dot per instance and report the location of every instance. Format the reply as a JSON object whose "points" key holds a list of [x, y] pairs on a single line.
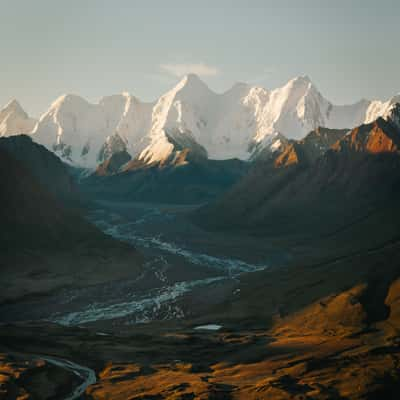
{"points": [[94, 48]]}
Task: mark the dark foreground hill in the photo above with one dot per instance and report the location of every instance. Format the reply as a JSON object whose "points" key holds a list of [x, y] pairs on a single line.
{"points": [[45, 166], [45, 245]]}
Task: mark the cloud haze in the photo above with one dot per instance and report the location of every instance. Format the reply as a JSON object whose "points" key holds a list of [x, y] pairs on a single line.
{"points": [[200, 69]]}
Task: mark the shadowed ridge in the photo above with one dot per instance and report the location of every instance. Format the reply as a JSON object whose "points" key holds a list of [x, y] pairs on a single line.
{"points": [[45, 245]]}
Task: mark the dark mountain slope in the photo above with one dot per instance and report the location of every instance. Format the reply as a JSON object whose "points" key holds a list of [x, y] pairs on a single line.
{"points": [[43, 245], [113, 164], [188, 177], [44, 165]]}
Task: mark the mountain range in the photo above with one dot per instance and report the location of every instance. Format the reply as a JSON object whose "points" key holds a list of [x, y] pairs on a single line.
{"points": [[239, 123], [320, 195], [329, 180]]}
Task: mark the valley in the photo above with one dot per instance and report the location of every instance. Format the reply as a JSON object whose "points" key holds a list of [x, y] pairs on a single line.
{"points": [[289, 320], [181, 260], [194, 278], [199, 200], [312, 352]]}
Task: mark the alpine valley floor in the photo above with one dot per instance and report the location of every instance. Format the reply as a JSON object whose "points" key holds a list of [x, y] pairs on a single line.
{"points": [[299, 323]]}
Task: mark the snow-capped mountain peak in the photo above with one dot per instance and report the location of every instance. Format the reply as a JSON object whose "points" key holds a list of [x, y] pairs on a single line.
{"points": [[14, 120], [193, 82], [77, 130], [301, 80], [238, 123], [14, 106]]}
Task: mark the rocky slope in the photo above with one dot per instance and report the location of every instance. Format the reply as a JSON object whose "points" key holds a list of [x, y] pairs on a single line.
{"points": [[307, 150]]}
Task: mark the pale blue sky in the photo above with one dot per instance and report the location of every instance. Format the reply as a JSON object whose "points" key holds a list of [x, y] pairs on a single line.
{"points": [[350, 49]]}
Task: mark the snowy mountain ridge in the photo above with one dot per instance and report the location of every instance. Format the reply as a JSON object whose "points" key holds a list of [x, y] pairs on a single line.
{"points": [[235, 124]]}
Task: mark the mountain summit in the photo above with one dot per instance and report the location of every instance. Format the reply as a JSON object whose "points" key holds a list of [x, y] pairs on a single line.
{"points": [[14, 120]]}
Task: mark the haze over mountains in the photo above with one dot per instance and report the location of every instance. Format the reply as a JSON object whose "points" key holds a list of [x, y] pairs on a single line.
{"points": [[238, 123]]}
